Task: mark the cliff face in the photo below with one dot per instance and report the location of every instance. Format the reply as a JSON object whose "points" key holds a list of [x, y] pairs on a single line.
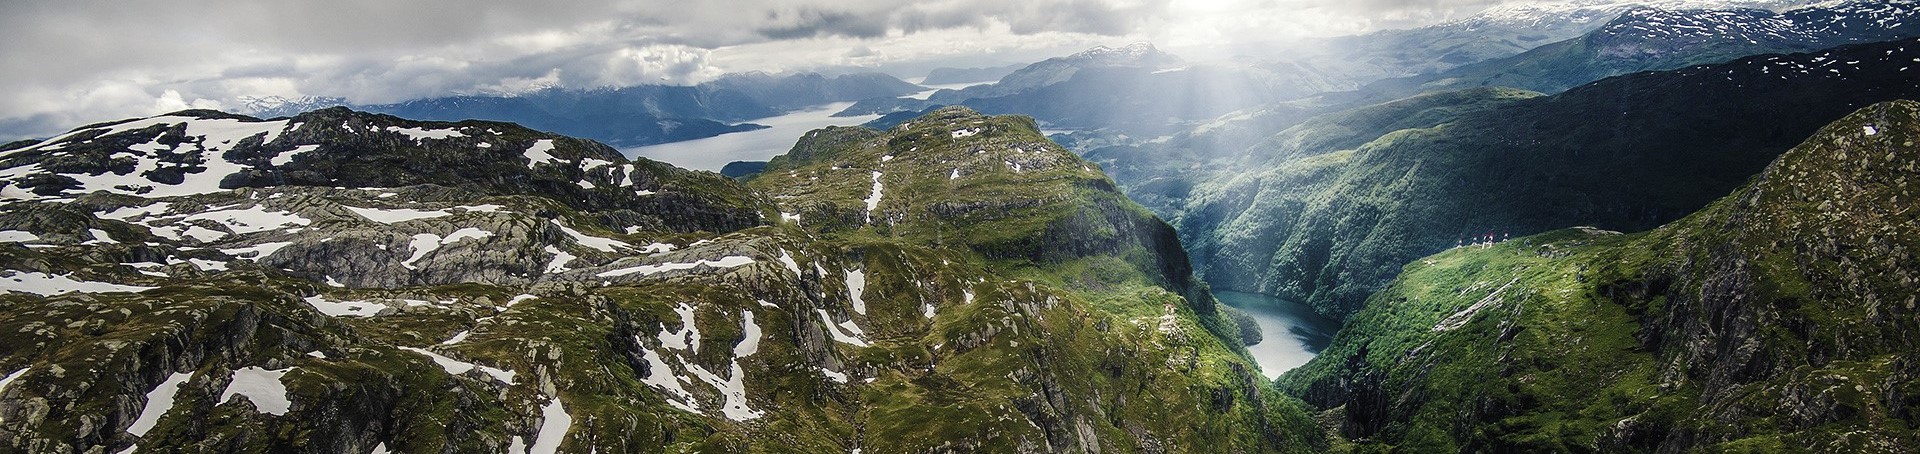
{"points": [[1780, 317], [347, 282], [1330, 221]]}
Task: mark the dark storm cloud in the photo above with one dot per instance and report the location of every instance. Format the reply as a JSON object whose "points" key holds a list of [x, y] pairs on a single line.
{"points": [[807, 22]]}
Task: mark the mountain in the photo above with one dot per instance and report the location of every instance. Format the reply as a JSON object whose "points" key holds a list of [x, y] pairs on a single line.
{"points": [[947, 76], [637, 115], [797, 91], [1350, 62], [1334, 208], [1775, 319], [1061, 69], [281, 106], [341, 281], [1137, 89], [1136, 56], [1651, 39]]}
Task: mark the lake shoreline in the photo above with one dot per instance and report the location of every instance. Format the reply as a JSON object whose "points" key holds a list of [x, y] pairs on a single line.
{"points": [[1292, 333]]}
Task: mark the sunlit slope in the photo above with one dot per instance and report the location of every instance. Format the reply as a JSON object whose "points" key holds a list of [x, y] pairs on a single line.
{"points": [[1777, 319]]}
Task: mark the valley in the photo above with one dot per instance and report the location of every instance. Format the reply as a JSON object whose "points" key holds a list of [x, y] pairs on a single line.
{"points": [[1567, 226]]}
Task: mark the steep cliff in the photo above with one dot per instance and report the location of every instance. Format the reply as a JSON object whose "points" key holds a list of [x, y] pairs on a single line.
{"points": [[1779, 318], [1330, 221]]}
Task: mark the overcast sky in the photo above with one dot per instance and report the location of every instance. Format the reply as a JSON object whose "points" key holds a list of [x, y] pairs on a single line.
{"points": [[73, 62]]}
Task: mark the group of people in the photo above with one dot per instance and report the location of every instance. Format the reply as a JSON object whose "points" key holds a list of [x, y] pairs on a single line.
{"points": [[1482, 240]]}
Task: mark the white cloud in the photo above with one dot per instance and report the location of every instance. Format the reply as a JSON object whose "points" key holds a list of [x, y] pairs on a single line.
{"points": [[82, 61]]}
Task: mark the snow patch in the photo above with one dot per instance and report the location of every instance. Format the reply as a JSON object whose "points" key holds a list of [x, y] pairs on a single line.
{"points": [[538, 153], [856, 285], [687, 337], [426, 243], [724, 262], [395, 215], [833, 329], [660, 376], [787, 259], [873, 198], [251, 220], [560, 260], [99, 237], [733, 389], [554, 422], [123, 213], [458, 367], [286, 157], [598, 243], [457, 338], [261, 386], [216, 137], [750, 333], [344, 308], [44, 284], [836, 376], [418, 134], [158, 402]]}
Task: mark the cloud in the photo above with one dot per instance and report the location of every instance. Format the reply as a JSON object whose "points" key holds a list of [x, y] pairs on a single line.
{"points": [[81, 61]]}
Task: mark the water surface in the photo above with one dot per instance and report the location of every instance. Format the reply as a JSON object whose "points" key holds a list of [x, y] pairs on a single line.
{"points": [[712, 153], [1293, 333]]}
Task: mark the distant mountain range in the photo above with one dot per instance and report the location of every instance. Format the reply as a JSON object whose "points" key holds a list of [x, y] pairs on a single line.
{"points": [[1349, 62], [945, 76], [633, 116], [1136, 88], [1650, 39]]}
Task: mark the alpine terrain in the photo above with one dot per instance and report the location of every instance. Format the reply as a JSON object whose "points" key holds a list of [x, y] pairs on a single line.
{"points": [[339, 281], [991, 226]]}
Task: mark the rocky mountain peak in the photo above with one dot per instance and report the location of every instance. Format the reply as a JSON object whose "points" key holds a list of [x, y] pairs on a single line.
{"points": [[1141, 54]]}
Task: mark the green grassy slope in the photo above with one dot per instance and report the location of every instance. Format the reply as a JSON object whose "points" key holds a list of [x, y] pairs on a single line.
{"points": [[1778, 318], [1332, 224]]}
